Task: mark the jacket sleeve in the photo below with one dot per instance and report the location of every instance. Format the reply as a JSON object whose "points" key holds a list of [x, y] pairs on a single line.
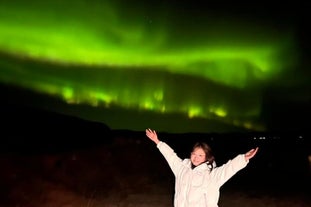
{"points": [[171, 157], [226, 171]]}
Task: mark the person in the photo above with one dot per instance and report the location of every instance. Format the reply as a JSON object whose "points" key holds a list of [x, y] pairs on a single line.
{"points": [[198, 179]]}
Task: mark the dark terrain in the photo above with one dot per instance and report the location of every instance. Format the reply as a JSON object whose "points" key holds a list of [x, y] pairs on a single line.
{"points": [[50, 159]]}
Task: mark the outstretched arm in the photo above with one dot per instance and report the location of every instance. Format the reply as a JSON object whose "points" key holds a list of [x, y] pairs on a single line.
{"points": [[171, 157], [250, 154], [151, 134], [226, 171]]}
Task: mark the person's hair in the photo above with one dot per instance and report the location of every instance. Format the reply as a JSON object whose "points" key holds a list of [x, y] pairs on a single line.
{"points": [[209, 155]]}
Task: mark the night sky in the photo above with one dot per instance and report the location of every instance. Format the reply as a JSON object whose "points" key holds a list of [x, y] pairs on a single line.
{"points": [[176, 66]]}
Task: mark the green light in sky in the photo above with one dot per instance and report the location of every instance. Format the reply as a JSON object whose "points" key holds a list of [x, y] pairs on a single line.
{"points": [[194, 112], [68, 93], [78, 40], [219, 112], [53, 35]]}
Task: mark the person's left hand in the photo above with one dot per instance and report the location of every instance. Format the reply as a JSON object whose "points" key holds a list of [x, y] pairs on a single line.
{"points": [[251, 153]]}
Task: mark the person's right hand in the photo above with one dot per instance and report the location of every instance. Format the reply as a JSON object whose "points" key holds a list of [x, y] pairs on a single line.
{"points": [[151, 134]]}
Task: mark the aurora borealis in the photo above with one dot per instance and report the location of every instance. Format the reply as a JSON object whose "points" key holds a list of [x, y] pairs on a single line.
{"points": [[204, 63]]}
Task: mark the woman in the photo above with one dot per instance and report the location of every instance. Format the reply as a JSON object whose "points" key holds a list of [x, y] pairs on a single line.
{"points": [[198, 180]]}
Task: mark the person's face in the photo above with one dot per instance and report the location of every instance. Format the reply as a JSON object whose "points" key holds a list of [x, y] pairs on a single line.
{"points": [[197, 156]]}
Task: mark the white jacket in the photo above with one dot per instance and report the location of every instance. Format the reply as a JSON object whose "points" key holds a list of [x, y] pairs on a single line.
{"points": [[198, 187]]}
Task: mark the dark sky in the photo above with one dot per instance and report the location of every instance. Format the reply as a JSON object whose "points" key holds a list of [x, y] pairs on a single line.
{"points": [[177, 66]]}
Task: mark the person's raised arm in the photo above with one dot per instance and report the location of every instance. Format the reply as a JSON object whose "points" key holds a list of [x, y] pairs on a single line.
{"points": [[171, 157], [227, 170], [151, 134], [248, 155]]}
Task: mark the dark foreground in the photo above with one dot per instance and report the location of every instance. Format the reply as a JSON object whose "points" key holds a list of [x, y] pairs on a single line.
{"points": [[126, 169]]}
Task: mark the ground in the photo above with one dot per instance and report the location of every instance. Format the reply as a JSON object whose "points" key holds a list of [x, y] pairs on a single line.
{"points": [[128, 171]]}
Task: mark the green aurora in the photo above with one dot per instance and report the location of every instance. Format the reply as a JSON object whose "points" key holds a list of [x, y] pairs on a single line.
{"points": [[101, 54]]}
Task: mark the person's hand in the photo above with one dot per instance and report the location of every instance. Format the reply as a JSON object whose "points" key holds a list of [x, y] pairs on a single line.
{"points": [[251, 153], [151, 134]]}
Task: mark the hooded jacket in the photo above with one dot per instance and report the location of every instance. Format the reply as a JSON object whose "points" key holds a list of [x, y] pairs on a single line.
{"points": [[199, 187]]}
